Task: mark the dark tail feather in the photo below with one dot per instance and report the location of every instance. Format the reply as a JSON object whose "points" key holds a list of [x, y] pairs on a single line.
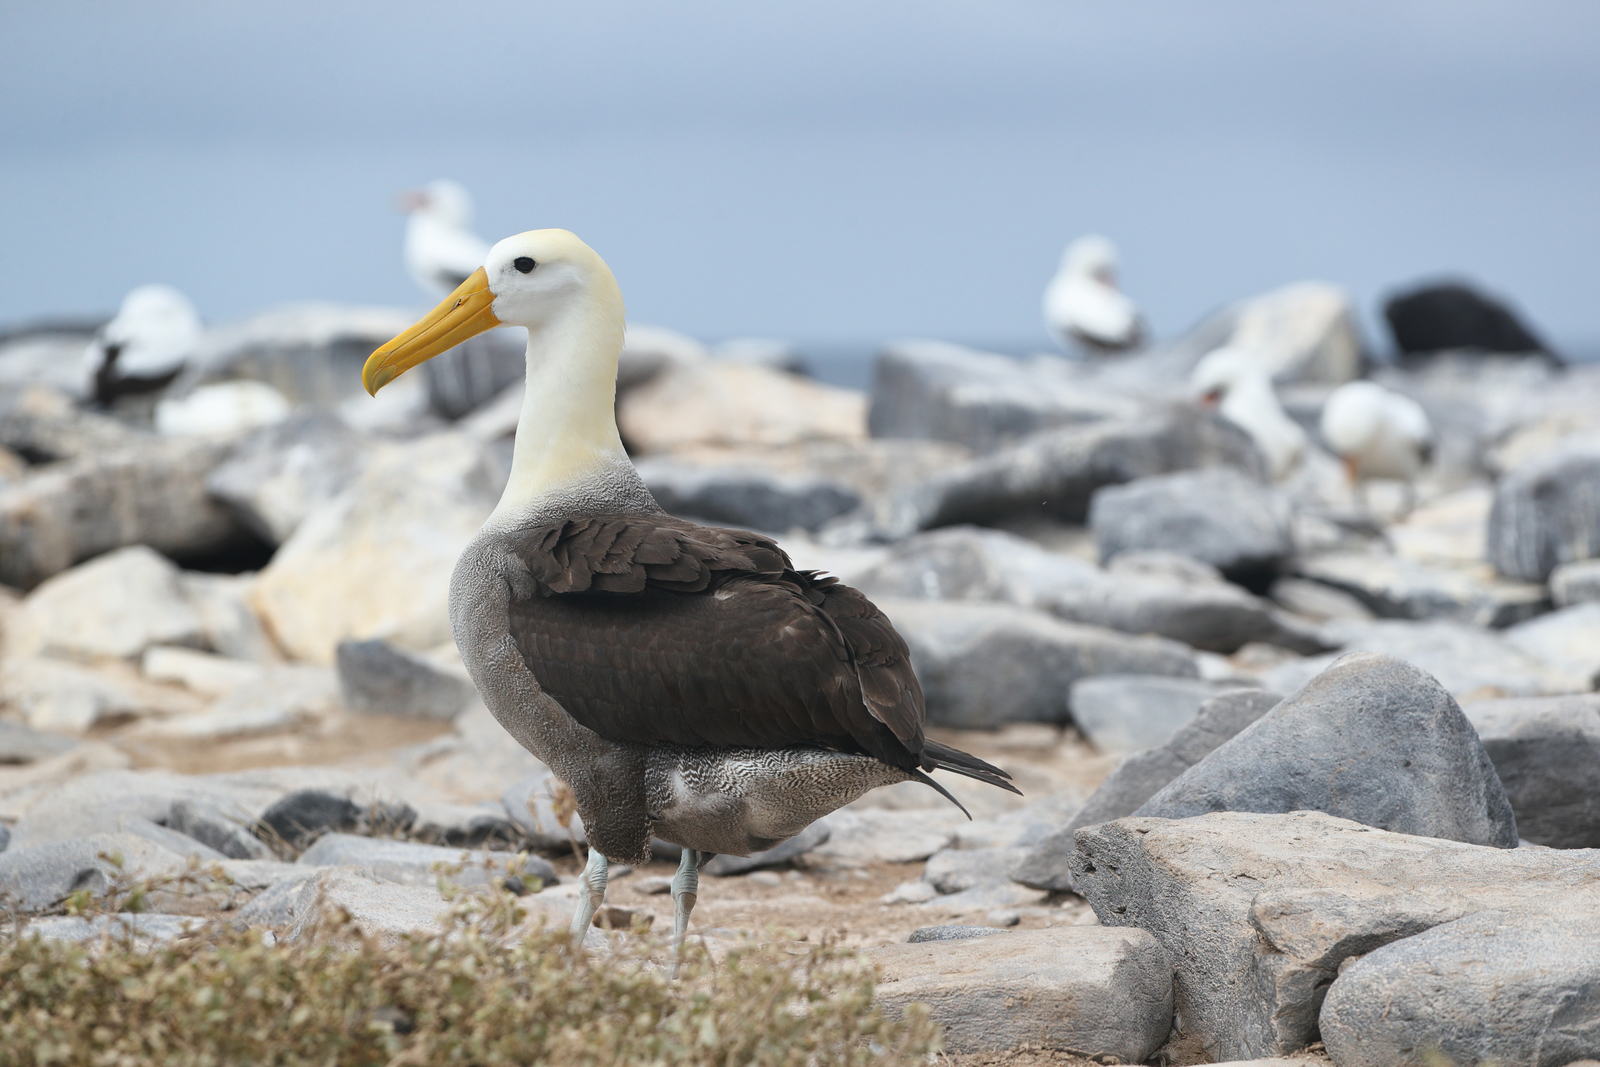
{"points": [[925, 780], [938, 756]]}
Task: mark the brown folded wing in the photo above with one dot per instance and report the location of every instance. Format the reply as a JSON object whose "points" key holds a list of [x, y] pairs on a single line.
{"points": [[652, 629]]}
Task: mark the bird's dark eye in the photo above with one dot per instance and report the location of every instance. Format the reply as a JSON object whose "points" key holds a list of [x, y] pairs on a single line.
{"points": [[524, 264]]}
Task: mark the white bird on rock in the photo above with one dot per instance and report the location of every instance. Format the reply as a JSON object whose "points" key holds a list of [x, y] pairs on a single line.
{"points": [[686, 682], [154, 334], [441, 251], [1082, 304], [1234, 380], [1377, 433]]}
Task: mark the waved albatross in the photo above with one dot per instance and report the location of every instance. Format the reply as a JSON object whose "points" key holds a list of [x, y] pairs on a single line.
{"points": [[686, 682]]}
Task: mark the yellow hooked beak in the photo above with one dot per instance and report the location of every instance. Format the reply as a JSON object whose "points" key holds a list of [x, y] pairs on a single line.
{"points": [[463, 314]]}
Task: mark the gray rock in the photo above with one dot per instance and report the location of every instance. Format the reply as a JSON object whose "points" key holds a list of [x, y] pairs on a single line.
{"points": [[1516, 985], [287, 695], [1218, 516], [1546, 513], [1575, 583], [953, 870], [466, 825], [152, 493], [1052, 474], [875, 835], [543, 808], [1547, 754], [1132, 712], [410, 863], [984, 665], [747, 496], [19, 744], [944, 392], [300, 817], [923, 934], [43, 425], [34, 879], [1025, 826], [228, 621], [1140, 777], [278, 475], [378, 908], [115, 606], [1398, 588], [476, 371], [811, 837], [1566, 641], [1140, 593], [1092, 990], [375, 676], [1372, 739], [276, 905], [1314, 600], [1257, 912], [145, 929], [215, 829], [5, 836], [995, 894]]}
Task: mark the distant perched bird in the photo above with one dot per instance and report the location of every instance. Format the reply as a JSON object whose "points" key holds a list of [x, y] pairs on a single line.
{"points": [[155, 333], [1235, 380], [686, 682], [1082, 303], [441, 251], [1378, 433]]}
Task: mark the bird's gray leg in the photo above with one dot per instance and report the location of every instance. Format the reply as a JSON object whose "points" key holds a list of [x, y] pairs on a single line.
{"points": [[591, 892], [685, 891]]}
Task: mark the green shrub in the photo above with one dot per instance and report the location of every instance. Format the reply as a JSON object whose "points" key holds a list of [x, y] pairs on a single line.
{"points": [[476, 995]]}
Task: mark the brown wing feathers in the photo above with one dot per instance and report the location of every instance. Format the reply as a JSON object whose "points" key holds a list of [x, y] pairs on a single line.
{"points": [[721, 643]]}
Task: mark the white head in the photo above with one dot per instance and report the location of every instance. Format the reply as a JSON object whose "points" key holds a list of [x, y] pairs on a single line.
{"points": [[154, 309], [443, 200], [1091, 256], [1222, 371]]}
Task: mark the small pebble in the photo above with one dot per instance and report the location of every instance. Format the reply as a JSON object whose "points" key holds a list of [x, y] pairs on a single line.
{"points": [[910, 893], [621, 917], [1002, 917], [770, 879], [651, 886]]}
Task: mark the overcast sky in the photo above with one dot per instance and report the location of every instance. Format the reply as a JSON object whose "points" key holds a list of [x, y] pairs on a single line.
{"points": [[820, 171]]}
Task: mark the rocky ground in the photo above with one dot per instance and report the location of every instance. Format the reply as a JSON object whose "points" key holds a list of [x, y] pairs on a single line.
{"points": [[1301, 770]]}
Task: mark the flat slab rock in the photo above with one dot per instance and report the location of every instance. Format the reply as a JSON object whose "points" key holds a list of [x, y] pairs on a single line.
{"points": [[1258, 911], [1512, 986], [1092, 990]]}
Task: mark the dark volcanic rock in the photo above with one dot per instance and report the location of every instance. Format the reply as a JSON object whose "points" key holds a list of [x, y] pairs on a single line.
{"points": [[301, 816], [214, 829], [1516, 985], [1438, 317], [1052, 474], [377, 677], [1546, 513], [1547, 754], [1372, 739], [984, 665], [1218, 516], [924, 934], [747, 497], [943, 392], [1141, 776]]}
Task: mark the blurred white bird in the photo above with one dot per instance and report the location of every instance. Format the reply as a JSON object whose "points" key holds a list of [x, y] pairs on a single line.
{"points": [[441, 251], [1377, 433], [1082, 303], [1235, 380], [154, 334]]}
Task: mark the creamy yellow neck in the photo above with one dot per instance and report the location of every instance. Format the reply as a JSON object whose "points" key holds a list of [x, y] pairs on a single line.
{"points": [[567, 432]]}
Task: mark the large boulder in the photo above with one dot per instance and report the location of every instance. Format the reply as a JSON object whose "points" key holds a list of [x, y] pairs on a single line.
{"points": [[1138, 593], [115, 606], [1305, 332], [1218, 516], [37, 877], [1141, 776], [377, 677], [1395, 587], [944, 392], [1090, 990], [1546, 513], [739, 404], [747, 497], [1434, 318], [43, 425], [1566, 641], [1131, 712], [278, 475], [1515, 985], [151, 493], [1547, 754], [1258, 912], [984, 665], [376, 560], [1373, 739], [1053, 473], [1575, 583]]}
